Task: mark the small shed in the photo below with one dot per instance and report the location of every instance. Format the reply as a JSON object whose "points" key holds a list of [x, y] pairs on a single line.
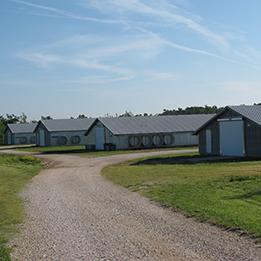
{"points": [[236, 131], [19, 133], [62, 132], [144, 132]]}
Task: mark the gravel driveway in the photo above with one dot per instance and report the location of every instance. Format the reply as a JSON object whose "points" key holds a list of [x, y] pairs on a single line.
{"points": [[73, 213]]}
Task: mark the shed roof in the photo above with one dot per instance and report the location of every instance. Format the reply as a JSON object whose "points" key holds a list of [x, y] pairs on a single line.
{"points": [[68, 124], [22, 127], [251, 112], [155, 124]]}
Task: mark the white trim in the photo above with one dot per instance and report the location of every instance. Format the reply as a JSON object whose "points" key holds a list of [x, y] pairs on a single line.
{"points": [[231, 119]]}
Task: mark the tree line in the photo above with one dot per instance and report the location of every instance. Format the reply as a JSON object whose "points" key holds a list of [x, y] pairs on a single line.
{"points": [[193, 110]]}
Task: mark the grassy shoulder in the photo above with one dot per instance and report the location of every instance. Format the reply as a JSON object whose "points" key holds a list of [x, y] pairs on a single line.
{"points": [[52, 149], [82, 152], [15, 172], [225, 193]]}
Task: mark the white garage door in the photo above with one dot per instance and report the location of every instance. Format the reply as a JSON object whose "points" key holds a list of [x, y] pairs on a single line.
{"points": [[231, 138]]}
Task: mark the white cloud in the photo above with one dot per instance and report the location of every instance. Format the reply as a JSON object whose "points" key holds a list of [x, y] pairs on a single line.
{"points": [[100, 80], [162, 10], [249, 54], [41, 59], [161, 76], [90, 52], [65, 14], [47, 59], [110, 55]]}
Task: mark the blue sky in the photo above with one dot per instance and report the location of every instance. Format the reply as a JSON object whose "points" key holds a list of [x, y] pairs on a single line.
{"points": [[64, 57]]}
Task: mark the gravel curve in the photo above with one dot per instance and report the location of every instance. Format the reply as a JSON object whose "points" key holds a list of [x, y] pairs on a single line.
{"points": [[73, 213]]}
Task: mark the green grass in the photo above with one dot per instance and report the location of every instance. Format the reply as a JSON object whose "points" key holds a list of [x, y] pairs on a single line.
{"points": [[80, 150], [225, 193], [53, 149], [15, 172]]}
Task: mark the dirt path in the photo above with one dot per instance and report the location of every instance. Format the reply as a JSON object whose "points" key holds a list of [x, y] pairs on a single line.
{"points": [[73, 213]]}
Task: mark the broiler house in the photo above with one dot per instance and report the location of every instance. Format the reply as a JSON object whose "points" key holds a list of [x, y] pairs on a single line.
{"points": [[144, 132], [19, 133], [62, 132]]}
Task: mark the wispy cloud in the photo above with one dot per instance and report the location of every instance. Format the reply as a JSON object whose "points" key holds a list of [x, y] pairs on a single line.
{"points": [[163, 10], [48, 59], [159, 76], [100, 80], [66, 14], [41, 59], [87, 51], [105, 54]]}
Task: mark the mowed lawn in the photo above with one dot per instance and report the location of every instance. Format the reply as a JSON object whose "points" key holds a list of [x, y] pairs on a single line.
{"points": [[226, 193], [82, 152], [15, 172], [53, 149]]}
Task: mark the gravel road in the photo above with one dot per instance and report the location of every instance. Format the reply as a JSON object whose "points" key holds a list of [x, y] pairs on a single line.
{"points": [[73, 213]]}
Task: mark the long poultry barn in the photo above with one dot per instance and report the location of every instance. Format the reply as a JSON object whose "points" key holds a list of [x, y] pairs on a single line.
{"points": [[144, 132], [19, 133], [62, 132]]}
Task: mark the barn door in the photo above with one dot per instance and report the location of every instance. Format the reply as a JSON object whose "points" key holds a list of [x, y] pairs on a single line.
{"points": [[41, 137], [232, 138], [9, 138], [209, 141], [100, 138]]}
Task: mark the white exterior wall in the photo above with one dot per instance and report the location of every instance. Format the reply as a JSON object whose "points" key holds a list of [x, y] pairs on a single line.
{"points": [[122, 141], [180, 139], [17, 139], [91, 137], [185, 139], [54, 136]]}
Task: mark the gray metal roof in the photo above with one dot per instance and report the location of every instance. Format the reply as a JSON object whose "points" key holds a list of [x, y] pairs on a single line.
{"points": [[155, 124], [252, 112], [22, 127], [68, 124]]}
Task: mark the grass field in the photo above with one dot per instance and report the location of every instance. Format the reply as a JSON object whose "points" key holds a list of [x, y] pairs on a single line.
{"points": [[15, 172], [80, 150], [225, 193]]}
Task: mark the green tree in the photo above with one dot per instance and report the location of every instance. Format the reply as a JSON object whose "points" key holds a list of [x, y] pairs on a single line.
{"points": [[193, 110], [46, 117], [82, 116], [127, 114]]}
